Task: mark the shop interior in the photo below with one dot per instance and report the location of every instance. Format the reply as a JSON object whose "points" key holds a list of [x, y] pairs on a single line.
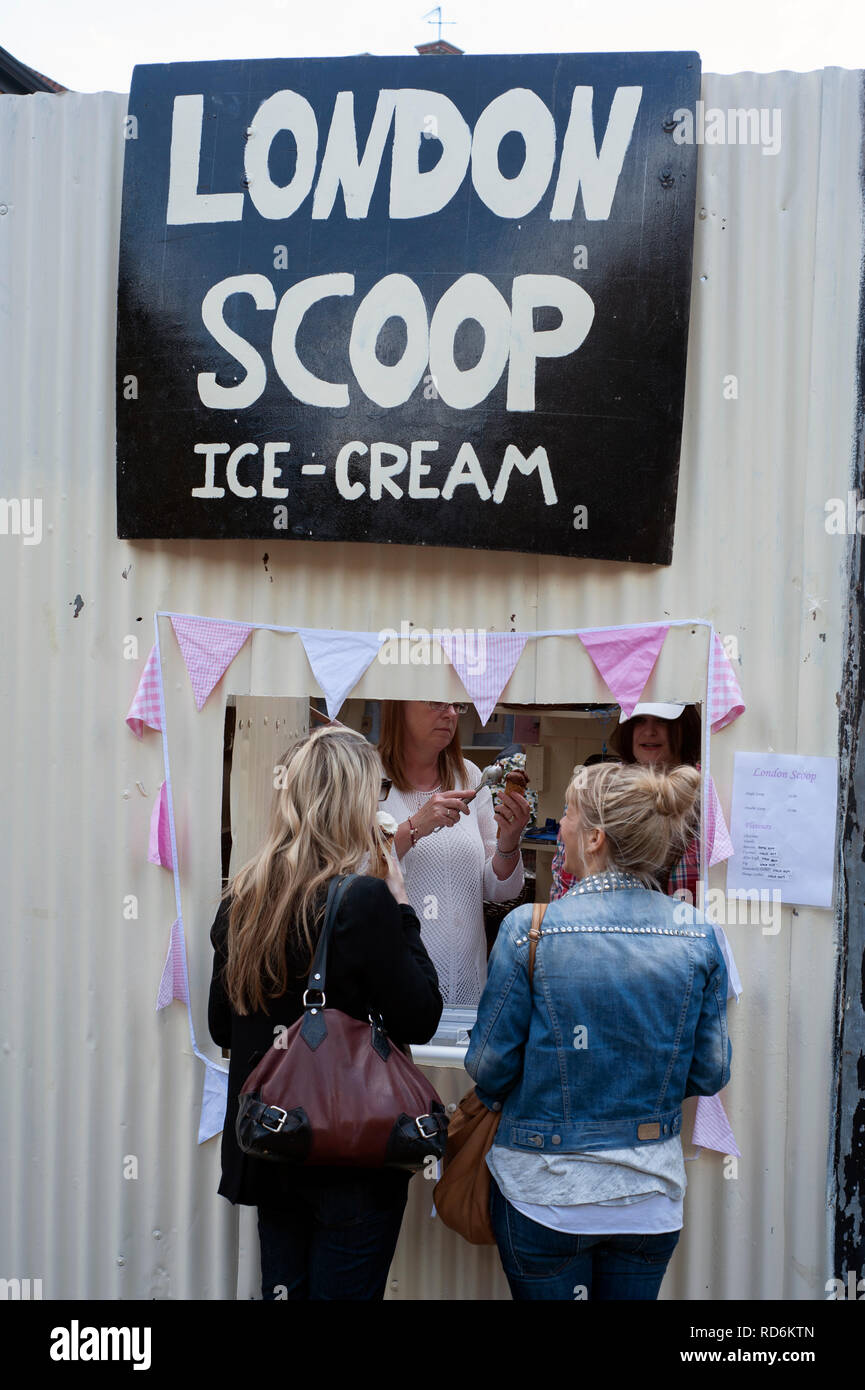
{"points": [[556, 739]]}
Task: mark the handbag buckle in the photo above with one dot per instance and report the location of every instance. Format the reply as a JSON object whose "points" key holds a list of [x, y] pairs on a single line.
{"points": [[433, 1122], [314, 991], [273, 1110]]}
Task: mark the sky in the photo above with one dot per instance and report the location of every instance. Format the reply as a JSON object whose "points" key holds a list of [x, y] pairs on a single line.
{"points": [[92, 45]]}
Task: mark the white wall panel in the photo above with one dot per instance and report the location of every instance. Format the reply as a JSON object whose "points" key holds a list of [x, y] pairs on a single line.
{"points": [[88, 1072]]}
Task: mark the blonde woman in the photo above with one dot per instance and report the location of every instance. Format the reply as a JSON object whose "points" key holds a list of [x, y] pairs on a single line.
{"points": [[662, 736], [589, 1065], [325, 1232]]}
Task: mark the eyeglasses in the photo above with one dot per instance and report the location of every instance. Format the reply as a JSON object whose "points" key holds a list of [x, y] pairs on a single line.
{"points": [[386, 785], [439, 705]]}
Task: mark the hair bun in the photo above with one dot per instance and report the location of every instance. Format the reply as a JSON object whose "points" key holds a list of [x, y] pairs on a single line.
{"points": [[684, 785], [664, 799]]}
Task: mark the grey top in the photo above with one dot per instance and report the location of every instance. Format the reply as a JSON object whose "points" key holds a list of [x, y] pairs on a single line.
{"points": [[611, 1177]]}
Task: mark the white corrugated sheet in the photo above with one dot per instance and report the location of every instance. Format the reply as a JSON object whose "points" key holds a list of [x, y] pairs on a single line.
{"points": [[90, 1075]]}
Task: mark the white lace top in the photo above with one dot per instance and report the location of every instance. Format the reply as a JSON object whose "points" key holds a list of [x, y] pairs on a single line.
{"points": [[447, 877]]}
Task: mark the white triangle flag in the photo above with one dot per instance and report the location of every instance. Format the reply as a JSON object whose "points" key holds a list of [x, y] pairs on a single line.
{"points": [[339, 659], [214, 1099]]}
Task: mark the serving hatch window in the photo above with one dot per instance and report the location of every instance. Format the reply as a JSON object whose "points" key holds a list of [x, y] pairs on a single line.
{"points": [[554, 739]]}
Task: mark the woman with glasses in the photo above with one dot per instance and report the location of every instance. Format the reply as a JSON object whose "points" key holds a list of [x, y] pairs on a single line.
{"points": [[326, 1233], [454, 850]]}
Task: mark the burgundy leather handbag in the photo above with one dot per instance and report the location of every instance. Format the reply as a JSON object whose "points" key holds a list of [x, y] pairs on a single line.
{"points": [[337, 1092]]}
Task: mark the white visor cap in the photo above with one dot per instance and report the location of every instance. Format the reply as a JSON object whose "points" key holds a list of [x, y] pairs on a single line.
{"points": [[659, 711]]}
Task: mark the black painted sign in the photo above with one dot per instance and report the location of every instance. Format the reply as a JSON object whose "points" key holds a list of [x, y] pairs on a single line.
{"points": [[416, 300]]}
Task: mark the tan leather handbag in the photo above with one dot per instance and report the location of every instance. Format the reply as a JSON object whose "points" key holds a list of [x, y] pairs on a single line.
{"points": [[462, 1196]]}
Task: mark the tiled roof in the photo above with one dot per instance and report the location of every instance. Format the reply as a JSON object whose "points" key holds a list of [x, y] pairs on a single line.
{"points": [[438, 46], [16, 79]]}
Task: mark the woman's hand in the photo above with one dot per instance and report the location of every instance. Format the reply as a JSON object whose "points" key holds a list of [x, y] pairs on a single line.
{"points": [[395, 880], [512, 816], [442, 810]]}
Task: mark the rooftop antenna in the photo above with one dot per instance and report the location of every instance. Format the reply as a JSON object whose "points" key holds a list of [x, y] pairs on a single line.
{"points": [[439, 21]]}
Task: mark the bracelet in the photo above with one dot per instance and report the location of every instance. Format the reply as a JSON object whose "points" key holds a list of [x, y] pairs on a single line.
{"points": [[508, 853], [413, 833]]}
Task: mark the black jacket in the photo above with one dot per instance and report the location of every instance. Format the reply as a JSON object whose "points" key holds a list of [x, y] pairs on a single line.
{"points": [[376, 962]]}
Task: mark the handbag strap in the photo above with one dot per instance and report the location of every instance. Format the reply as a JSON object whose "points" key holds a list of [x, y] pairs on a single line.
{"points": [[317, 975], [313, 1029], [538, 911]]}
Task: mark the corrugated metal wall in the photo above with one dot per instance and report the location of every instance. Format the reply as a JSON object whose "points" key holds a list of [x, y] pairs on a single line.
{"points": [[90, 1075]]}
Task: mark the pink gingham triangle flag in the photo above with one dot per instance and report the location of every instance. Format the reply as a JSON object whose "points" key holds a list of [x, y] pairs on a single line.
{"points": [[624, 658], [725, 696], [208, 649], [484, 662], [145, 706], [174, 984], [159, 850], [717, 834], [712, 1128]]}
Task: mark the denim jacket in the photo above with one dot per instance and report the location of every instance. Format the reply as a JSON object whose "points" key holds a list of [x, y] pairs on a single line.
{"points": [[627, 1015]]}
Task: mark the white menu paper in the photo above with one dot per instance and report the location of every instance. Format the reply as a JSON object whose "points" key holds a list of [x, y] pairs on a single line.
{"points": [[783, 827]]}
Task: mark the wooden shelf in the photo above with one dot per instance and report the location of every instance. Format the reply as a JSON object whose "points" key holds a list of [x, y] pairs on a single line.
{"points": [[560, 712]]}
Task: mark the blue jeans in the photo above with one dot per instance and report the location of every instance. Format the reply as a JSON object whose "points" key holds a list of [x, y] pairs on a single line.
{"points": [[331, 1241], [542, 1263]]}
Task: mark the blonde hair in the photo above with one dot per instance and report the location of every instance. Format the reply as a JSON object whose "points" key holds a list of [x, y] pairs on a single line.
{"points": [[322, 823], [647, 815]]}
